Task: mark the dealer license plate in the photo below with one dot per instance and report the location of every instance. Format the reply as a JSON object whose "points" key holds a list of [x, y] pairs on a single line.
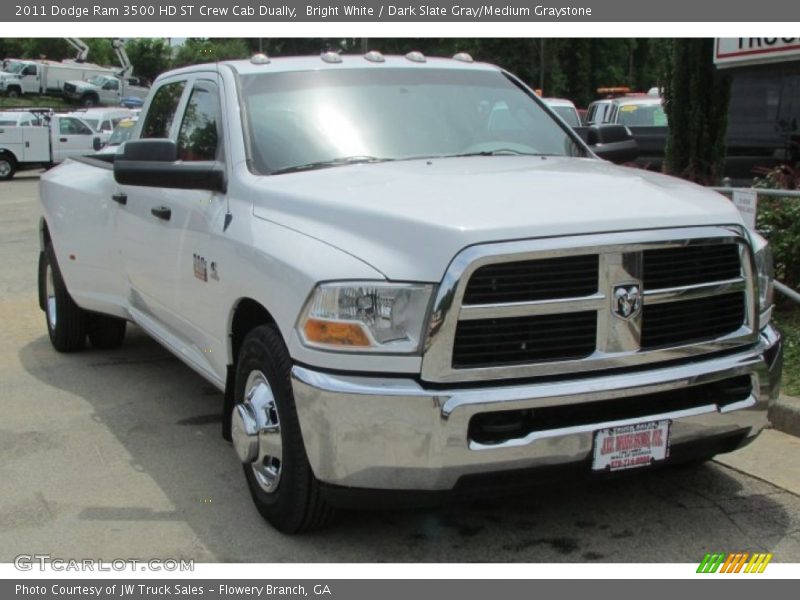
{"points": [[630, 446]]}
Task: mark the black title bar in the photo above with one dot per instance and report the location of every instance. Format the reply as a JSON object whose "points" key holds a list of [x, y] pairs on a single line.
{"points": [[477, 11]]}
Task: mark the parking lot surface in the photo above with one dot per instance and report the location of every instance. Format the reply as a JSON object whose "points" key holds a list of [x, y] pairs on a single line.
{"points": [[118, 455]]}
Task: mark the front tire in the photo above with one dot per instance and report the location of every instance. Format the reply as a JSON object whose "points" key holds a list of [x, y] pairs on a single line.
{"points": [[66, 321], [267, 437]]}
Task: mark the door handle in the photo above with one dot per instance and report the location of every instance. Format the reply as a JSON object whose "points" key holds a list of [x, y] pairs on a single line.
{"points": [[162, 212], [120, 198], [62, 139]]}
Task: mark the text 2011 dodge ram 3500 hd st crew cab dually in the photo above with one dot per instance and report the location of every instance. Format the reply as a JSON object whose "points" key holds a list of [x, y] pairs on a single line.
{"points": [[408, 274]]}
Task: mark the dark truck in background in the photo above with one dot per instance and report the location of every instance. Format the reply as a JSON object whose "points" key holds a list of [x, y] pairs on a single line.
{"points": [[763, 117]]}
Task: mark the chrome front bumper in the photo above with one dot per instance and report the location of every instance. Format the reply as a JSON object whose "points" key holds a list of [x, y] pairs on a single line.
{"points": [[393, 434]]}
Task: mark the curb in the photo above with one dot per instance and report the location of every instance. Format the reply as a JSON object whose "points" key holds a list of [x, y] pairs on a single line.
{"points": [[785, 415]]}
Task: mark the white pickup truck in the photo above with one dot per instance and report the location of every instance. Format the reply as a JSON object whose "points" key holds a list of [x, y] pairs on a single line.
{"points": [[399, 291], [103, 90], [32, 146]]}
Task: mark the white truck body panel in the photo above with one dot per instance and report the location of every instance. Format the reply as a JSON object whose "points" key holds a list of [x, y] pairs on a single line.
{"points": [[27, 144]]}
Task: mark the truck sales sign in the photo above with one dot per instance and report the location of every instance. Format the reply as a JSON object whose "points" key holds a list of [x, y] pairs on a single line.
{"points": [[736, 52]]}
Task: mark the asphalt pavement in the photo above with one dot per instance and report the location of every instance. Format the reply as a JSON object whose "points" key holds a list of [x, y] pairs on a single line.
{"points": [[118, 455]]}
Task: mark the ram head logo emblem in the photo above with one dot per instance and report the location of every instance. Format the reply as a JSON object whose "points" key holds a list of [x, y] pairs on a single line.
{"points": [[627, 300]]}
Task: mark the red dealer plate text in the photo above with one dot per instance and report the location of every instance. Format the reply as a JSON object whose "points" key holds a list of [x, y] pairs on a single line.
{"points": [[630, 446]]}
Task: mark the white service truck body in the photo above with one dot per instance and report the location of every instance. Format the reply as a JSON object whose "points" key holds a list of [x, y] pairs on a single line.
{"points": [[46, 76], [32, 147]]}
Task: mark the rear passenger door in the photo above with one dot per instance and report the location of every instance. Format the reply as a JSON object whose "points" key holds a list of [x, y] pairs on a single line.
{"points": [[199, 218]]}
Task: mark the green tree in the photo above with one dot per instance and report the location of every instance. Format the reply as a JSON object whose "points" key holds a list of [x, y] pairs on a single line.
{"points": [[149, 56], [101, 52], [49, 48], [205, 50], [696, 103]]}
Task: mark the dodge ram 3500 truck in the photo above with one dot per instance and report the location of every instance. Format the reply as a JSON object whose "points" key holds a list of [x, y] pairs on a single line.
{"points": [[397, 290]]}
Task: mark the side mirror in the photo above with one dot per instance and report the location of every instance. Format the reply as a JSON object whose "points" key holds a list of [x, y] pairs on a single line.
{"points": [[154, 163], [97, 143], [611, 142]]}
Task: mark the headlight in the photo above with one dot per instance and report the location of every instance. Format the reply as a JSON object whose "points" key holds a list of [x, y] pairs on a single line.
{"points": [[765, 275], [366, 317]]}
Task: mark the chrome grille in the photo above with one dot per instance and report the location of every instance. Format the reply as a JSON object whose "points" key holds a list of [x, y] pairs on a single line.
{"points": [[691, 321], [517, 340], [551, 278], [690, 265], [503, 311]]}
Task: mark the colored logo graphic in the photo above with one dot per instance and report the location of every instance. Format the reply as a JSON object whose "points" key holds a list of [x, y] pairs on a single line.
{"points": [[737, 562]]}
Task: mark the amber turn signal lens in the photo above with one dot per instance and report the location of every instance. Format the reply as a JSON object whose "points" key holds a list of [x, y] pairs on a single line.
{"points": [[335, 334]]}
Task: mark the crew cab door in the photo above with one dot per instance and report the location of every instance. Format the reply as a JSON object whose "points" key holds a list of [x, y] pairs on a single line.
{"points": [[165, 233], [70, 137], [199, 278], [146, 228]]}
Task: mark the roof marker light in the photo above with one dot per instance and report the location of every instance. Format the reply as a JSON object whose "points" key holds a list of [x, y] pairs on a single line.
{"points": [[260, 59], [331, 57], [416, 56], [463, 57], [374, 56]]}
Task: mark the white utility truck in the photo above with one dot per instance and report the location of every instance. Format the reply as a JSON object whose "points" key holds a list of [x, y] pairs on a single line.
{"points": [[46, 76], [35, 146], [407, 275], [107, 89]]}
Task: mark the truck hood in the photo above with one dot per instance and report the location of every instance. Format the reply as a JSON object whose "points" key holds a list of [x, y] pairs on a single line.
{"points": [[408, 219]]}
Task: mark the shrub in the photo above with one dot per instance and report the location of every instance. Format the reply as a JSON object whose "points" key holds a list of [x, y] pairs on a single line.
{"points": [[778, 220]]}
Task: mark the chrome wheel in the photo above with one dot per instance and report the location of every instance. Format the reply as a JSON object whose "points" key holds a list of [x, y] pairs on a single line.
{"points": [[50, 297], [5, 168], [256, 432]]}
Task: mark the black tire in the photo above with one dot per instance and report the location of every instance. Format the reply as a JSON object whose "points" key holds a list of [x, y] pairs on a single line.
{"points": [[104, 331], [296, 504], [8, 166], [13, 92], [66, 321], [89, 101]]}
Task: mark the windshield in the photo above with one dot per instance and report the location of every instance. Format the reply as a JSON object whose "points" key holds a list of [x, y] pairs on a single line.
{"points": [[15, 67], [634, 115], [569, 115], [122, 132], [320, 118], [90, 122], [97, 80]]}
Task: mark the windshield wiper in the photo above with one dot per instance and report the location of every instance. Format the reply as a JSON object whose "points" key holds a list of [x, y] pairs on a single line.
{"points": [[334, 162], [495, 152]]}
